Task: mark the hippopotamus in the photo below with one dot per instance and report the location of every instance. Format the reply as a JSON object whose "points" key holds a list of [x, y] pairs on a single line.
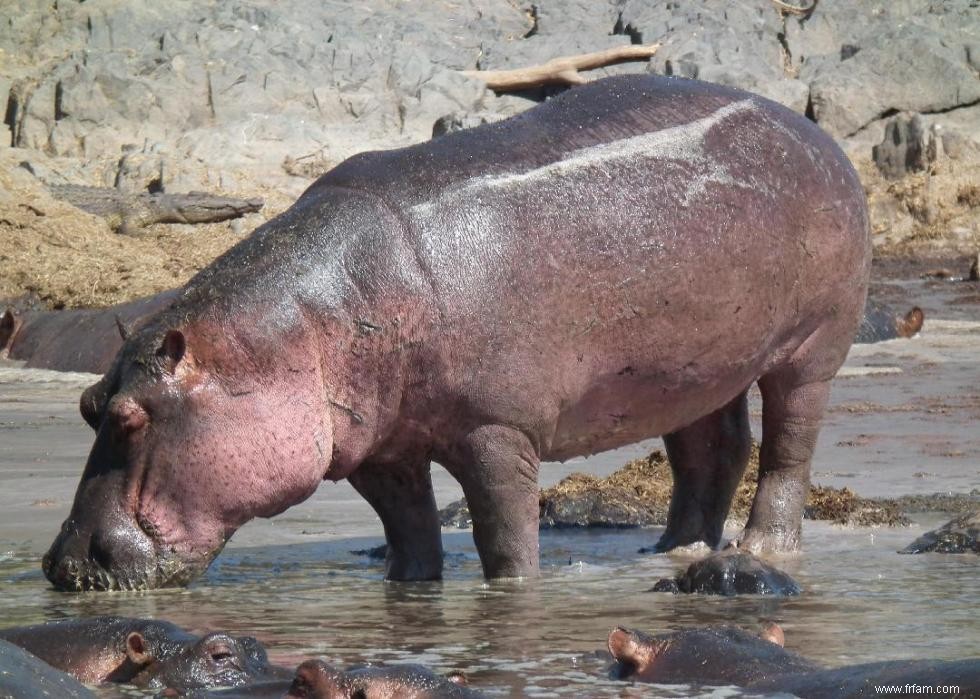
{"points": [[731, 656], [143, 652], [879, 323], [74, 339], [25, 675], [959, 535], [316, 679], [621, 262], [730, 572], [716, 655]]}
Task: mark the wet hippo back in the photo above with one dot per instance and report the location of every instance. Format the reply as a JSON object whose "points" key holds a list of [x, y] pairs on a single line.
{"points": [[25, 675], [637, 233]]}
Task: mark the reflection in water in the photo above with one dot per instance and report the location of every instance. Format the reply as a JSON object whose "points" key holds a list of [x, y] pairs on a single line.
{"points": [[545, 637]]}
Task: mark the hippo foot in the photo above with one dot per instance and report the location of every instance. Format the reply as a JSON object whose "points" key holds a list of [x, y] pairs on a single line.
{"points": [[755, 541], [729, 573]]}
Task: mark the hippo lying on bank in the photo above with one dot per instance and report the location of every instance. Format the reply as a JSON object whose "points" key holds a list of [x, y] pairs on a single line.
{"points": [[730, 656], [77, 339], [25, 675], [143, 652], [621, 262]]}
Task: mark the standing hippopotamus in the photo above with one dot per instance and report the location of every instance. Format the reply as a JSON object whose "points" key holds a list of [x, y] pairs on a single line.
{"points": [[144, 652], [730, 656], [621, 262], [77, 339]]}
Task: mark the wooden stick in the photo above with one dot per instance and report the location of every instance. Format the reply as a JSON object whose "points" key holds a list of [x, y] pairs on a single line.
{"points": [[795, 9], [559, 71]]}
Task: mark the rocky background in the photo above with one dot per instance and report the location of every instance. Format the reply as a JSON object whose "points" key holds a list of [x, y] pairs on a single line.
{"points": [[255, 98]]}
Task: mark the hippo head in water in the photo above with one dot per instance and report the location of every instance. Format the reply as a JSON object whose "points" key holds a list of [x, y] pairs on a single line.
{"points": [[198, 430], [215, 660], [315, 679]]}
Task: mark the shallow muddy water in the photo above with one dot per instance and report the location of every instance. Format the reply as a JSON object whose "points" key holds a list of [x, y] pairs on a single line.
{"points": [[904, 420]]}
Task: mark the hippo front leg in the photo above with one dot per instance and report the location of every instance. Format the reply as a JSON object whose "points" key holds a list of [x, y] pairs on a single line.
{"points": [[498, 469], [402, 496], [791, 417], [707, 459]]}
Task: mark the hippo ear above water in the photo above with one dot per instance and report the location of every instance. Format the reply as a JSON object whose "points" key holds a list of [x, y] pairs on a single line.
{"points": [[629, 650], [172, 349], [136, 649]]}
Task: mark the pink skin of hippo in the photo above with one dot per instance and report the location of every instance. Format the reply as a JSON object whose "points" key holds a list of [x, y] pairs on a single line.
{"points": [[621, 262], [77, 339]]}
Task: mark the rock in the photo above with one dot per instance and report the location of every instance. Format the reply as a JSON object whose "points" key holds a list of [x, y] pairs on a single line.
{"points": [[889, 74], [905, 147], [961, 535], [730, 573], [456, 514], [457, 121]]}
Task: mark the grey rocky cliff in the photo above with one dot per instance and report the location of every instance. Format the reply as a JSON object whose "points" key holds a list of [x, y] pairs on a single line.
{"points": [[219, 95]]}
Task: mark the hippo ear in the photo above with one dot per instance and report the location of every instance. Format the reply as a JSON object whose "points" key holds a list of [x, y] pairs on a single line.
{"points": [[629, 650], [8, 324], [172, 349], [772, 633], [457, 677], [136, 649], [124, 330]]}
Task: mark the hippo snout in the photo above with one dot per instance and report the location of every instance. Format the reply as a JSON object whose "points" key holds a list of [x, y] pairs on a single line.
{"points": [[115, 557]]}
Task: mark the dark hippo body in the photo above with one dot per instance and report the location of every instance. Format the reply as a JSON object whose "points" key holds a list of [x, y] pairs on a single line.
{"points": [[959, 535], [729, 573], [144, 652], [730, 656], [722, 655], [621, 262], [317, 680], [880, 323], [24, 676], [76, 339], [854, 681]]}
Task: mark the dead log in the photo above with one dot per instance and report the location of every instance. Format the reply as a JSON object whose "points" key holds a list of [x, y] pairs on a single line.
{"points": [[128, 211], [559, 71]]}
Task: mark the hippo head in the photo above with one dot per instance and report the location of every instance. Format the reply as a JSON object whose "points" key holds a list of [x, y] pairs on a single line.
{"points": [[216, 660], [197, 431], [316, 679]]}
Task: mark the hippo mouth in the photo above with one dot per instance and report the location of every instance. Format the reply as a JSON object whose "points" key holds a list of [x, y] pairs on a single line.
{"points": [[122, 558], [73, 574]]}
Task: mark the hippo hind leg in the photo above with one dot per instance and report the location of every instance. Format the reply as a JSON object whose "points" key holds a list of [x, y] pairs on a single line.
{"points": [[791, 414], [402, 496], [708, 458]]}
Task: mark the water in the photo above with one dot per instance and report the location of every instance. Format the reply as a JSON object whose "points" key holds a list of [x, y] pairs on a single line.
{"points": [[903, 420]]}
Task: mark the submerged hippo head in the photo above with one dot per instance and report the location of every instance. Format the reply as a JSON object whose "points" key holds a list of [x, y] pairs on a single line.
{"points": [[216, 660], [713, 655], [198, 430], [316, 680]]}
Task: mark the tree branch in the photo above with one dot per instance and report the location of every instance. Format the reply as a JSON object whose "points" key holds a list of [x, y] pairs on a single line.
{"points": [[559, 71]]}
